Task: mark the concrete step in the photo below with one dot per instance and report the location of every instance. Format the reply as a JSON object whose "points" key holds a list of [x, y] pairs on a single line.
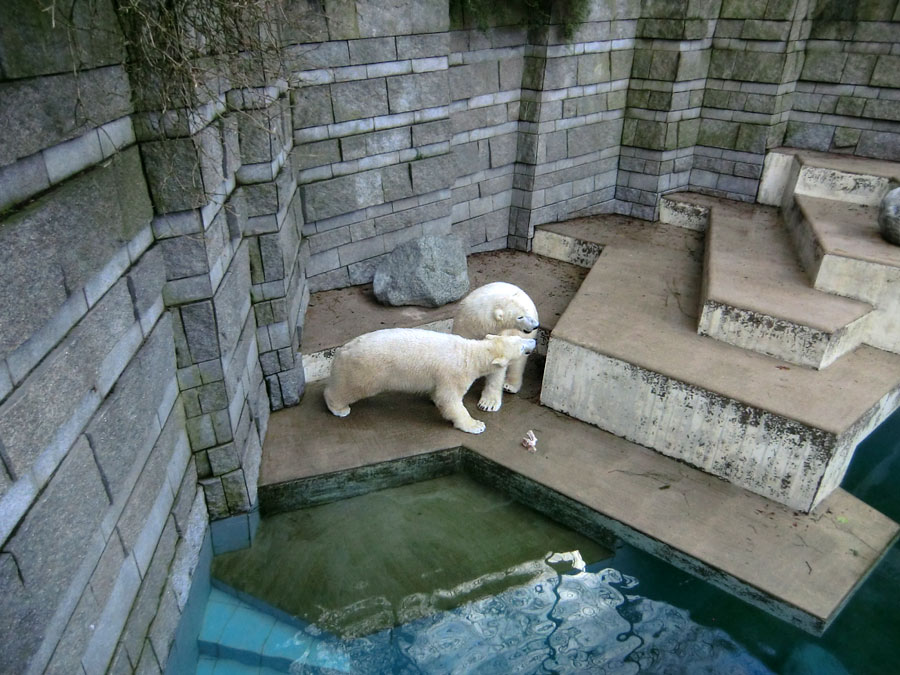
{"points": [[626, 357], [756, 296], [855, 180], [843, 253]]}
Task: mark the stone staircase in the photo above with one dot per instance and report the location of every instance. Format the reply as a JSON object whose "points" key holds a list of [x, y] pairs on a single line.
{"points": [[761, 352]]}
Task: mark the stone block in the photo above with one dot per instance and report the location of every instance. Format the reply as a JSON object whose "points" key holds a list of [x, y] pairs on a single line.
{"points": [[322, 153], [70, 234], [41, 559], [360, 250], [593, 68], [718, 133], [503, 149], [146, 279], [126, 424], [845, 137], [823, 66], [473, 79], [312, 106], [237, 495], [55, 394], [404, 17], [423, 46], [511, 71], [809, 136], [173, 174], [198, 321], [35, 42], [359, 100], [886, 72], [372, 50], [22, 180], [743, 9], [232, 302], [432, 173], [329, 198], [418, 91], [879, 144], [430, 132]]}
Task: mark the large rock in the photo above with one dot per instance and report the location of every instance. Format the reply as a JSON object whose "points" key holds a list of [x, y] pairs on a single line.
{"points": [[889, 217], [428, 271]]}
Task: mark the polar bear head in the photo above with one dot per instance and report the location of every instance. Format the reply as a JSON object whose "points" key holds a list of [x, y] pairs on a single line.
{"points": [[514, 309], [505, 348]]}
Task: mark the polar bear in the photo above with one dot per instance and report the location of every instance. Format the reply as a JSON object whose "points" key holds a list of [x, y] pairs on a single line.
{"points": [[503, 309], [419, 361]]}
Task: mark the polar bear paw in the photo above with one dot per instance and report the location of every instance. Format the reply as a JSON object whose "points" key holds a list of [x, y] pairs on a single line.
{"points": [[476, 427], [490, 402], [512, 388]]}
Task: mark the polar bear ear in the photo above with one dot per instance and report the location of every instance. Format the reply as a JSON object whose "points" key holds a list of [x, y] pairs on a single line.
{"points": [[498, 314], [500, 362]]}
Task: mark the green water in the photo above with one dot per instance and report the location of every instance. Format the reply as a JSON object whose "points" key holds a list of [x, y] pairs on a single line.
{"points": [[368, 563]]}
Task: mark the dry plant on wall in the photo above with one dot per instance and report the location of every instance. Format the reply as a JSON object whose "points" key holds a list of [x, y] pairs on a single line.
{"points": [[533, 14], [186, 53]]}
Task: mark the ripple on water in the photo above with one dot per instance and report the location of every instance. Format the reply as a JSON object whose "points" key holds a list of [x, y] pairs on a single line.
{"points": [[579, 622]]}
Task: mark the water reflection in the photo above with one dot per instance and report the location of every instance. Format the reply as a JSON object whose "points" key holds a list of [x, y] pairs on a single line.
{"points": [[580, 621]]}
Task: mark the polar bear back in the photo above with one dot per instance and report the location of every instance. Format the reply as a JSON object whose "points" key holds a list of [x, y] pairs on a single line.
{"points": [[476, 314]]}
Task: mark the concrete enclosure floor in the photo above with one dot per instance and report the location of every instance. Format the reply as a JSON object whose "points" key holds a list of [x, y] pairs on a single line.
{"points": [[741, 542]]}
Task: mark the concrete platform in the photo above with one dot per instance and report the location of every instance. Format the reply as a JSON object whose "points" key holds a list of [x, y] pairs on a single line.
{"points": [[802, 568], [756, 295], [626, 357]]}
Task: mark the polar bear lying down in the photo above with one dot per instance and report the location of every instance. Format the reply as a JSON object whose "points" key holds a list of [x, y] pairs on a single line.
{"points": [[497, 308], [419, 361]]}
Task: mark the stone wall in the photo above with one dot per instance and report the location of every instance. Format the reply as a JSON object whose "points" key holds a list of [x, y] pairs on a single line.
{"points": [[101, 520], [155, 265]]}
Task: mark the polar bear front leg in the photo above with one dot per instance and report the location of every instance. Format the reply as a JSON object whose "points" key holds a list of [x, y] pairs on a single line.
{"points": [[492, 394], [450, 405], [514, 372]]}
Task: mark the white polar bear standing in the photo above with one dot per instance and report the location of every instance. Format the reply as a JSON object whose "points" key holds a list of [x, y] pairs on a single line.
{"points": [[419, 361], [498, 308]]}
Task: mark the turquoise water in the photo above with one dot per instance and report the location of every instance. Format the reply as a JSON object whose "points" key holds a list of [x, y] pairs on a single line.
{"points": [[627, 613]]}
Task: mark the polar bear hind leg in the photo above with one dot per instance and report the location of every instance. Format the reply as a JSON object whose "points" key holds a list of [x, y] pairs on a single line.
{"points": [[335, 404]]}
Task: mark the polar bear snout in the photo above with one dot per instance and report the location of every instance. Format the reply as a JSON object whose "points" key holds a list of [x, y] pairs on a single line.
{"points": [[526, 324], [528, 346]]}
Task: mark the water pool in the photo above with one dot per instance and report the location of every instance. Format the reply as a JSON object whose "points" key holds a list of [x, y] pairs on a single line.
{"points": [[382, 584]]}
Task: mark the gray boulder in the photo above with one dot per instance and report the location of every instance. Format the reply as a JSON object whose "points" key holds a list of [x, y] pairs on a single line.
{"points": [[429, 271], [889, 217]]}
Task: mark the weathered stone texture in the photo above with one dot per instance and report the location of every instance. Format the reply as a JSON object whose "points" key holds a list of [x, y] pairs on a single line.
{"points": [[69, 234], [40, 560], [37, 113], [127, 424], [38, 42], [31, 418]]}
